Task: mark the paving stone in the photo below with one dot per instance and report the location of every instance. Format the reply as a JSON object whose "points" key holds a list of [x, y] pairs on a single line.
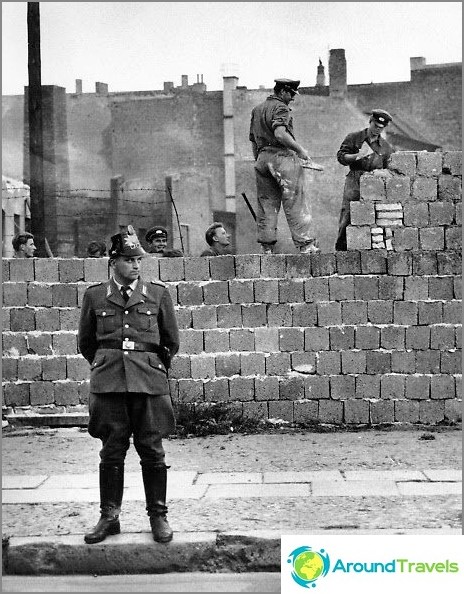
{"points": [[212, 478], [385, 475], [241, 490], [354, 489], [302, 477], [443, 475], [22, 481], [429, 489]]}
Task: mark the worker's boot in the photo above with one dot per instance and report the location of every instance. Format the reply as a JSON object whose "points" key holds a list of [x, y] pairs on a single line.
{"points": [[111, 490], [310, 247], [267, 249], [155, 482]]}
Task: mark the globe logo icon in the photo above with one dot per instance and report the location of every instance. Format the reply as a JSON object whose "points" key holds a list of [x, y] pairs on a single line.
{"points": [[308, 566]]}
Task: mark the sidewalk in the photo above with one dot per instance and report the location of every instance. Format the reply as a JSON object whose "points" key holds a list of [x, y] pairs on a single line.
{"points": [[227, 520]]}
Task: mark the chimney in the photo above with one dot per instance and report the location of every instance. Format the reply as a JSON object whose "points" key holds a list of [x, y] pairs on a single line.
{"points": [[337, 73], [78, 86], [101, 88], [416, 63], [320, 80], [184, 79], [168, 86]]}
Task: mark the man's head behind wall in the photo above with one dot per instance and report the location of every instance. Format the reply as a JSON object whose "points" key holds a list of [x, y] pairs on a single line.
{"points": [[157, 239], [23, 245], [216, 234]]}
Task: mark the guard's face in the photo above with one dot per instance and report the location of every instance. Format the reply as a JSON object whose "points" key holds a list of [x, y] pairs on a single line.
{"points": [[221, 236], [158, 244], [126, 269], [29, 248], [375, 128]]}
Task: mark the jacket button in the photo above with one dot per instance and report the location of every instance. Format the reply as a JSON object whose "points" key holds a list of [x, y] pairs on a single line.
{"points": [[148, 312], [126, 325], [126, 352], [103, 313], [126, 312]]}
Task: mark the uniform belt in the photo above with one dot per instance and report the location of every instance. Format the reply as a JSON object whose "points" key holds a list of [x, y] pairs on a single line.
{"points": [[129, 345]]}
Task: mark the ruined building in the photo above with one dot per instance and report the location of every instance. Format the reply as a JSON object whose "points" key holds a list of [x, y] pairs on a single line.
{"points": [[119, 158]]}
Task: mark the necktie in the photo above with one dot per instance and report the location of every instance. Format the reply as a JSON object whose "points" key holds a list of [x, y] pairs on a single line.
{"points": [[124, 293]]}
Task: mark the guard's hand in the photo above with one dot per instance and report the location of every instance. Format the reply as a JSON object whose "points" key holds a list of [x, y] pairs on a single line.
{"points": [[303, 154], [364, 151]]}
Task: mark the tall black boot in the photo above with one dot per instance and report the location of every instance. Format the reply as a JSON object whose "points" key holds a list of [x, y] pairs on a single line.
{"points": [[155, 482], [111, 490]]}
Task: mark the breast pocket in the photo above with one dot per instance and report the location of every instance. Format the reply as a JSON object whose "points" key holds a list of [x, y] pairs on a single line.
{"points": [[106, 320], [147, 318]]}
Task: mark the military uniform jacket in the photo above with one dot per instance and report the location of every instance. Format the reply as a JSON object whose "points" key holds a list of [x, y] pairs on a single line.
{"points": [[148, 317], [265, 118], [352, 144]]}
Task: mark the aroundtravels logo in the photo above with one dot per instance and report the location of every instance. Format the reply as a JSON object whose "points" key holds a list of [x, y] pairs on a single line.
{"points": [[308, 565]]}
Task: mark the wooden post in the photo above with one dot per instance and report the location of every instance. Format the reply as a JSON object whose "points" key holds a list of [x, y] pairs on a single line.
{"points": [[36, 179]]}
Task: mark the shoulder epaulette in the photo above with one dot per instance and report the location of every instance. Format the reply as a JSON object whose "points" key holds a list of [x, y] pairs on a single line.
{"points": [[96, 285], [158, 282]]}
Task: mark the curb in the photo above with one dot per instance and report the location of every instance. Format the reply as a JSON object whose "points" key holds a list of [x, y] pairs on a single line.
{"points": [[137, 553]]}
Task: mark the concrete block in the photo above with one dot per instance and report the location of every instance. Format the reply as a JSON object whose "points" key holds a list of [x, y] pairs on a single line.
{"points": [[303, 362], [453, 410], [266, 340], [16, 394], [204, 317], [29, 368], [404, 163], [417, 387], [450, 188], [331, 411], [362, 213], [406, 411], [367, 337], [430, 313], [214, 292], [449, 263], [64, 295], [399, 264], [66, 393], [432, 238], [378, 362], [184, 318], [341, 288], [425, 189], [54, 368], [22, 269], [453, 238], [9, 369], [96, 270], [291, 339], [247, 266], [46, 270], [64, 343], [418, 337], [451, 363], [380, 311], [5, 270], [341, 338], [441, 287], [358, 238], [392, 338], [405, 238], [202, 366], [356, 412], [329, 313], [432, 412], [317, 387], [196, 268], [305, 411], [14, 294], [191, 341], [291, 388], [348, 262], [281, 410], [217, 390], [382, 411], [354, 312], [316, 289], [429, 164], [190, 390], [222, 267], [39, 294], [241, 291], [416, 288], [255, 410], [266, 388], [84, 392], [216, 341], [405, 313], [180, 367], [253, 363], [171, 269], [452, 313], [279, 315], [298, 265], [54, 319], [398, 189], [190, 293], [291, 291], [14, 345], [71, 270], [441, 213], [40, 344], [416, 214], [391, 287], [392, 386], [42, 393], [266, 291], [254, 315], [273, 266], [242, 389], [22, 319], [353, 362], [316, 339], [342, 387], [242, 340], [278, 364], [328, 363], [424, 263], [373, 263], [323, 264], [372, 187], [442, 337], [452, 162], [304, 314], [229, 316]]}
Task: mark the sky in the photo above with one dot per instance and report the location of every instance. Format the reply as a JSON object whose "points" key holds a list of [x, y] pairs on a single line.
{"points": [[136, 46]]}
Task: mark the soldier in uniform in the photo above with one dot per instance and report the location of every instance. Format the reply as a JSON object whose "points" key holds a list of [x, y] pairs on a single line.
{"points": [[128, 333], [157, 239]]}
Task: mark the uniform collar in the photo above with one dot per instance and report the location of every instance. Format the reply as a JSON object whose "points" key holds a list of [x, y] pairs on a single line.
{"points": [[139, 292]]}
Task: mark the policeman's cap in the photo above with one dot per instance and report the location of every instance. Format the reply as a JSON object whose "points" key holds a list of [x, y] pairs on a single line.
{"points": [[126, 244], [381, 116], [155, 232], [287, 84]]}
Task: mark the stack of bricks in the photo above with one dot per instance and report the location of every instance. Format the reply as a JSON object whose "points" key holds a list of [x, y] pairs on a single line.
{"points": [[414, 205], [356, 337]]}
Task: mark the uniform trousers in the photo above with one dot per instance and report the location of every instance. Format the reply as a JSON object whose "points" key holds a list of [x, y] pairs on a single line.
{"points": [[115, 417], [351, 193], [280, 181]]}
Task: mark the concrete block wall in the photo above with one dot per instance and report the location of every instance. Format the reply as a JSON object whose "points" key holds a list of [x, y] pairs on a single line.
{"points": [[368, 336], [416, 204]]}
